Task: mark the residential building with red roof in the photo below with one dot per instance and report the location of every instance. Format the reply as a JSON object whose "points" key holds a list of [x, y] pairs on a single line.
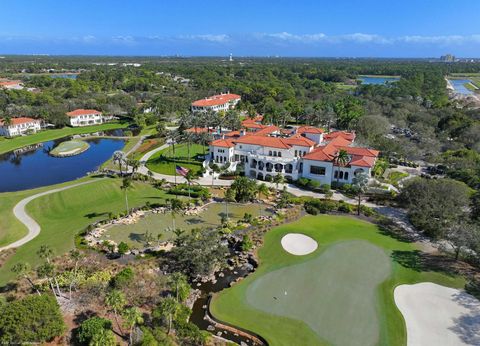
{"points": [[87, 117], [304, 151], [19, 126], [11, 84], [216, 103]]}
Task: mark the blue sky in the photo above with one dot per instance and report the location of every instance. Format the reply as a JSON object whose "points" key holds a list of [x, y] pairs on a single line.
{"points": [[363, 28]]}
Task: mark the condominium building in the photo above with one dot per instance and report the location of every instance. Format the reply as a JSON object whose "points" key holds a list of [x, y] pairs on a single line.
{"points": [[216, 103], [19, 126], [86, 117]]}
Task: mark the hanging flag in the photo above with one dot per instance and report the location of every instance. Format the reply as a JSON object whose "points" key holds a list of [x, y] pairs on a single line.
{"points": [[181, 170]]}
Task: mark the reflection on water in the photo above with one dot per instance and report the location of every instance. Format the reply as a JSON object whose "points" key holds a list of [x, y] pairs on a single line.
{"points": [[32, 167]]}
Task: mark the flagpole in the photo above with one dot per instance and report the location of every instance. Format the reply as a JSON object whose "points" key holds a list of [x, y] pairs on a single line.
{"points": [[175, 166]]}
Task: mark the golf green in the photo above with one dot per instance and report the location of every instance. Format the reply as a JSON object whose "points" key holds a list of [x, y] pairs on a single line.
{"points": [[340, 294], [335, 288]]}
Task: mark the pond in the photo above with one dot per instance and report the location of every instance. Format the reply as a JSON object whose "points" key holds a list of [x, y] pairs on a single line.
{"points": [[33, 167], [378, 80], [65, 75], [132, 234], [459, 86]]}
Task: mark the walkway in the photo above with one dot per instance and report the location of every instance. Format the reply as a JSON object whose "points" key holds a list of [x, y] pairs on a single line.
{"points": [[32, 226]]}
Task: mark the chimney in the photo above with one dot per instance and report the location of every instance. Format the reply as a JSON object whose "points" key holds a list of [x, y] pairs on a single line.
{"points": [[242, 132]]}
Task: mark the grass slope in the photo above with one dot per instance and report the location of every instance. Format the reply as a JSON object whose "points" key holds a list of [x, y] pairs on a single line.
{"points": [[10, 144], [63, 214], [162, 162], [232, 306]]}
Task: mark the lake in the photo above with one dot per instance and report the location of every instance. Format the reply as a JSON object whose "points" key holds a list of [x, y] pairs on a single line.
{"points": [[35, 167], [377, 80], [459, 86]]}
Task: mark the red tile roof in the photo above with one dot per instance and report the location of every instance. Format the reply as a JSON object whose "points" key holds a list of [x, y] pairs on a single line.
{"points": [[309, 129], [19, 120], [225, 143], [81, 111], [267, 130], [216, 100], [362, 161], [350, 136], [199, 130], [10, 82]]}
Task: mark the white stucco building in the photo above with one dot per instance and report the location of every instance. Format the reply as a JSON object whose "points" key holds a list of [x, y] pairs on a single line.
{"points": [[19, 126], [302, 152], [86, 117], [216, 103]]}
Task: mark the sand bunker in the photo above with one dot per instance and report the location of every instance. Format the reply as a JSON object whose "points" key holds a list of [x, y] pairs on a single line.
{"points": [[298, 244], [438, 315]]}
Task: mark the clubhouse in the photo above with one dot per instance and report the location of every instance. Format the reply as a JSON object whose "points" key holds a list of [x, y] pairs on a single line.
{"points": [[216, 103], [86, 117], [19, 126], [305, 151]]}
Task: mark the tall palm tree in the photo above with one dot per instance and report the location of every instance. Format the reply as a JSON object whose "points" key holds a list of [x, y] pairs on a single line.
{"points": [[168, 308], [115, 300], [341, 159], [262, 189], [229, 197], [132, 316], [135, 164], [189, 177], [175, 206], [76, 256], [360, 183], [126, 184], [278, 179], [22, 270], [46, 253], [46, 271], [119, 158]]}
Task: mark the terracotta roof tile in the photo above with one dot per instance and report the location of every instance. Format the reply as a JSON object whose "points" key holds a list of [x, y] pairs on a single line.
{"points": [[216, 100], [82, 111], [19, 120]]}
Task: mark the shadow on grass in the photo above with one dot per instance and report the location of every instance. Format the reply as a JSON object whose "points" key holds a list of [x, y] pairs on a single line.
{"points": [[95, 214], [421, 261]]}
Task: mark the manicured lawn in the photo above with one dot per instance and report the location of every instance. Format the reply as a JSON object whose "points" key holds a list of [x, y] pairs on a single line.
{"points": [[162, 162], [63, 214], [10, 144], [340, 294]]}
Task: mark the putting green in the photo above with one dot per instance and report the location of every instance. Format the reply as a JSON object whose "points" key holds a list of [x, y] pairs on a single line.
{"points": [[340, 294], [336, 288], [70, 148]]}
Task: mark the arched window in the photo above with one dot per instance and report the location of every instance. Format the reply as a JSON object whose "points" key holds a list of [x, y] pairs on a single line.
{"points": [[269, 153], [279, 154], [345, 176]]}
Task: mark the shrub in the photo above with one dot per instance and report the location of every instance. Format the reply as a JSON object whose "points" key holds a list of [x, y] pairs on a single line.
{"points": [[316, 206], [123, 248], [344, 207], [91, 327], [123, 278], [34, 319], [313, 184], [247, 243], [302, 182]]}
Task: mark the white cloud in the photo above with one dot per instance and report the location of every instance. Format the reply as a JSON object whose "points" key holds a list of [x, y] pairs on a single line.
{"points": [[445, 40], [221, 38]]}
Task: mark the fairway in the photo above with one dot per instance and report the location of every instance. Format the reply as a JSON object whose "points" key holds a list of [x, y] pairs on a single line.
{"points": [[63, 214], [340, 294], [334, 294]]}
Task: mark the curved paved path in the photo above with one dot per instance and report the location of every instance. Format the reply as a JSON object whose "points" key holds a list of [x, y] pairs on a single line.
{"points": [[32, 226]]}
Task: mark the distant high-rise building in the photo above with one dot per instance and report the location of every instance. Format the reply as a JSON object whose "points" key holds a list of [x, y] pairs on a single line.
{"points": [[231, 57], [447, 58]]}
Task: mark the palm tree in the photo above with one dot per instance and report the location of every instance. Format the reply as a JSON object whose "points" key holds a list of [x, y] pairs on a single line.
{"points": [[22, 270], [177, 282], [150, 174], [278, 179], [119, 157], [135, 164], [228, 197], [132, 317], [360, 183], [76, 256], [46, 271], [126, 184], [189, 177], [215, 169], [341, 159], [175, 206], [45, 252], [168, 308], [115, 300], [262, 189]]}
